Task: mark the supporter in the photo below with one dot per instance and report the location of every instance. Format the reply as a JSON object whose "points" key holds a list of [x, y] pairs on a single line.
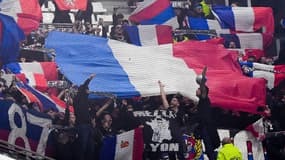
{"points": [[85, 15], [180, 38], [81, 110], [197, 11], [125, 114], [229, 151], [89, 30], [101, 29], [251, 59], [207, 127], [275, 144], [97, 139], [118, 33], [65, 95], [174, 106], [117, 17], [61, 16], [232, 45], [106, 126], [77, 27], [57, 117]]}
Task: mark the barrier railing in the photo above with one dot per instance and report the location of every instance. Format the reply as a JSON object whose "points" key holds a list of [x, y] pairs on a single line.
{"points": [[18, 152]]}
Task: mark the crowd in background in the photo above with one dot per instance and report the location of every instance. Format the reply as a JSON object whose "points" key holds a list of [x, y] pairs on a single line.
{"points": [[83, 131]]}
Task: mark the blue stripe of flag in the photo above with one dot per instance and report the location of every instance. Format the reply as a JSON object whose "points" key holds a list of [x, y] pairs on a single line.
{"points": [[199, 24], [226, 16], [161, 18], [108, 149], [90, 54], [133, 33]]}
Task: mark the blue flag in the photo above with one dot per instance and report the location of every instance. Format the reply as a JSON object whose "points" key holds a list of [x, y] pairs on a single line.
{"points": [[11, 37]]}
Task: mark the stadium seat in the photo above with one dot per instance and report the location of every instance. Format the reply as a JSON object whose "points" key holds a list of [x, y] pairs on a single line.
{"points": [[107, 18], [98, 7]]}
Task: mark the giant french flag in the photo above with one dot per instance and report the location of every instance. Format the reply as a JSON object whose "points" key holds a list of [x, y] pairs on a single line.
{"points": [[274, 74], [25, 128], [205, 24], [127, 146], [154, 12], [149, 35], [245, 19], [127, 70], [11, 36], [27, 13], [247, 40]]}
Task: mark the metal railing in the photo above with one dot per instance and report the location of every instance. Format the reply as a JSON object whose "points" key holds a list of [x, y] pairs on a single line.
{"points": [[18, 152]]}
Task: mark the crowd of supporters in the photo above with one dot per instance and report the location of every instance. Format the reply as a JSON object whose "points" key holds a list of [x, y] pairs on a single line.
{"points": [[79, 134]]}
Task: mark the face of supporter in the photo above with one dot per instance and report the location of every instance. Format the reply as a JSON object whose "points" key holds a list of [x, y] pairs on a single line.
{"points": [[107, 121], [263, 60], [119, 29], [232, 45], [72, 119], [51, 113], [174, 102]]}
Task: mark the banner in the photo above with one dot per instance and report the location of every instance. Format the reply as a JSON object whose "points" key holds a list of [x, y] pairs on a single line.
{"points": [[25, 128], [160, 132]]}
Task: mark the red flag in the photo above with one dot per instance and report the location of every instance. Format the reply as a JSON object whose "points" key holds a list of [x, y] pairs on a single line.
{"points": [[71, 4]]}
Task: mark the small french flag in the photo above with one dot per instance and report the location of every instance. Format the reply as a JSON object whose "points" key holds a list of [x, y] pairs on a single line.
{"points": [[153, 12], [246, 40], [245, 19], [36, 73], [205, 24], [149, 35], [126, 146]]}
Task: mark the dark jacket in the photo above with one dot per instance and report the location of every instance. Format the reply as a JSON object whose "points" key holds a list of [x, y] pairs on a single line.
{"points": [[206, 121], [81, 109]]}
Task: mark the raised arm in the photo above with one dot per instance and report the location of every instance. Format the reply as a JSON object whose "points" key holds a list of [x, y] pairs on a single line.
{"points": [[83, 88], [87, 81], [201, 80], [163, 95], [104, 107]]}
